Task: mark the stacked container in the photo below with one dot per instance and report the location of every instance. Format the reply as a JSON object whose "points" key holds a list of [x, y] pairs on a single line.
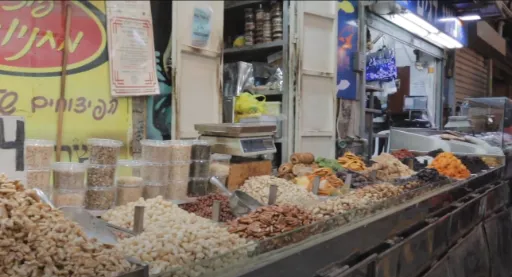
{"points": [[179, 169], [199, 184], [155, 172], [276, 15], [219, 167], [100, 194], [38, 162], [68, 184], [129, 181]]}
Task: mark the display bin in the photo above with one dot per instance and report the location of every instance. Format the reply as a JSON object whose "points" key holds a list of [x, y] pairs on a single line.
{"points": [[499, 240], [470, 256], [141, 270], [358, 267], [387, 261], [441, 229], [440, 269], [417, 250], [468, 213]]}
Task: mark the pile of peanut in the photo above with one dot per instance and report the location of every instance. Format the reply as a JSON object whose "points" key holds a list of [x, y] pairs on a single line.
{"points": [[37, 240]]}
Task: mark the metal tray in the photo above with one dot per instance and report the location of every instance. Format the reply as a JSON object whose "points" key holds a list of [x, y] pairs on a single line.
{"points": [[236, 129], [142, 270]]}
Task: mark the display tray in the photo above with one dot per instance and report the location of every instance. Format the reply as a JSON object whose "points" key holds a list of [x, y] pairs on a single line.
{"points": [[236, 129], [316, 252]]}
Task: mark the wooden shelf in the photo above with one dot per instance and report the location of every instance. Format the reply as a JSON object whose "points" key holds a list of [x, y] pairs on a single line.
{"points": [[262, 47], [236, 4], [374, 111]]}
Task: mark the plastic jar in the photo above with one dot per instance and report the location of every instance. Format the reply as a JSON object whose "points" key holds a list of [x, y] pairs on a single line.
{"points": [[199, 187], [156, 151], [104, 151], [129, 181], [177, 190], [219, 166], [200, 169], [39, 178], [180, 150], [127, 194], [99, 198], [101, 175], [68, 198], [152, 190], [179, 171], [155, 173], [68, 175], [201, 150], [39, 153]]}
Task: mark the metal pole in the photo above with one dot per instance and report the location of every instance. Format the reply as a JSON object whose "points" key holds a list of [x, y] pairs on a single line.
{"points": [[362, 74]]}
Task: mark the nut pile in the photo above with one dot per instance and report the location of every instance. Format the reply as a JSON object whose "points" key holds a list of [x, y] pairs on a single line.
{"points": [[287, 192], [39, 241], [173, 238], [269, 221], [402, 154], [203, 207], [389, 168]]}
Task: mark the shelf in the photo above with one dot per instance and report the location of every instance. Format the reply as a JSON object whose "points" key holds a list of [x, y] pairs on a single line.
{"points": [[236, 4], [373, 89], [268, 92], [374, 111], [262, 47]]}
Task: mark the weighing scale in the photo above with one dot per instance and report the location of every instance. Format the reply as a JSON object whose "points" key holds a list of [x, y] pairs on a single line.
{"points": [[239, 139]]}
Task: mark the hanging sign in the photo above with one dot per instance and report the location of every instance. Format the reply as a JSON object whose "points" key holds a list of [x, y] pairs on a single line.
{"points": [[201, 26], [12, 147], [347, 47], [131, 48]]}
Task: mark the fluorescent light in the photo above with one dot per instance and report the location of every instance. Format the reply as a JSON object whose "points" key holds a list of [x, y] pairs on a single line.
{"points": [[420, 22], [450, 40], [470, 17], [448, 19], [437, 39], [409, 26]]}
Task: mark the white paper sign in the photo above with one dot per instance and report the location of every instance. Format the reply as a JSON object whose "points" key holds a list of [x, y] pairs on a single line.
{"points": [[131, 49], [12, 147], [201, 26]]}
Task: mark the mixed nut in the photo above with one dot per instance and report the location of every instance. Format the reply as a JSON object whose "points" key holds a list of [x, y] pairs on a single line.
{"points": [[203, 206]]}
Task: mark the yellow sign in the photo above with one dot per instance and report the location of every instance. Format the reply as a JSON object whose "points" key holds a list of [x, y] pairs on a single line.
{"points": [[31, 45]]}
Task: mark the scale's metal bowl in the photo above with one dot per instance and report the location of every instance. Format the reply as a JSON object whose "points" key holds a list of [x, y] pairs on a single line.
{"points": [[241, 203]]}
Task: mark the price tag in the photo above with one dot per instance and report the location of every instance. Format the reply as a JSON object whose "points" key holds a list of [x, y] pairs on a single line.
{"points": [[12, 147], [216, 211], [272, 194], [138, 219]]}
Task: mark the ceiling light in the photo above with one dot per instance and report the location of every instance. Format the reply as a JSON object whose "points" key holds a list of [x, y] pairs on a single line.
{"points": [[448, 19], [451, 40], [420, 22], [470, 17], [406, 24], [438, 40]]}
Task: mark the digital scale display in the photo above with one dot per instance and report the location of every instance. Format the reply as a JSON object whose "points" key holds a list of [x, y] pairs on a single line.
{"points": [[257, 145]]}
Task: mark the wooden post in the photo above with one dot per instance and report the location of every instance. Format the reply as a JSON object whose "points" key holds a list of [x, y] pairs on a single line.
{"points": [[61, 102]]}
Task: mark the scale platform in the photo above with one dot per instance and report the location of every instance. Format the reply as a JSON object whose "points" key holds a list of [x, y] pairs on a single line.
{"points": [[239, 139]]}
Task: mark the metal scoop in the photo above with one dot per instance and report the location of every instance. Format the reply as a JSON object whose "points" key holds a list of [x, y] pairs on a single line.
{"points": [[240, 202]]}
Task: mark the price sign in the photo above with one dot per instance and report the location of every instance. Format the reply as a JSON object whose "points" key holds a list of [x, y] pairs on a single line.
{"points": [[12, 147]]}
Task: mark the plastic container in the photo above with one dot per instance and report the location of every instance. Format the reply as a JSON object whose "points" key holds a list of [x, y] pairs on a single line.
{"points": [[201, 150], [155, 173], [99, 198], [104, 151], [179, 171], [199, 187], [152, 190], [39, 153], [156, 151], [100, 175], [273, 108], [68, 198], [69, 175], [200, 169], [128, 193], [129, 172], [180, 150], [177, 190], [219, 166], [40, 178]]}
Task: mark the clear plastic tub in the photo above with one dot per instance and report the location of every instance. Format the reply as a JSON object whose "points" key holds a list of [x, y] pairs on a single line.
{"points": [[104, 151], [39, 153], [68, 198], [152, 190], [177, 190], [68, 175], [219, 165], [179, 171], [201, 150], [40, 178], [200, 169], [199, 187], [101, 175], [99, 198], [181, 150], [128, 193], [129, 172], [155, 173], [156, 151]]}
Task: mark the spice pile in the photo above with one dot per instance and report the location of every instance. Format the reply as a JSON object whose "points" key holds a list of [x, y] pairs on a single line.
{"points": [[287, 192], [449, 165], [203, 207], [388, 168], [173, 238], [352, 162], [269, 221], [474, 164], [300, 164], [39, 241]]}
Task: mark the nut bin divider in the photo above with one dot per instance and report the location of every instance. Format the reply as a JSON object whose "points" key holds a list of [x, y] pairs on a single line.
{"points": [[410, 163], [272, 194], [138, 220], [373, 175], [216, 211], [316, 185], [348, 180]]}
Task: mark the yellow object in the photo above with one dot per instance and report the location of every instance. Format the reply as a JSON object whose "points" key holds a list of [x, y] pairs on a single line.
{"points": [[249, 105], [273, 108], [90, 111], [239, 41], [346, 6], [352, 162]]}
